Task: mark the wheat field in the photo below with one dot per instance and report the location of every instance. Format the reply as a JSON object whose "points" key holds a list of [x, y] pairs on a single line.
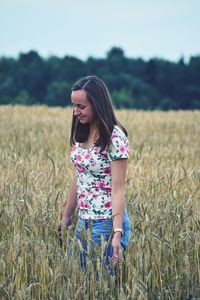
{"points": [[162, 196]]}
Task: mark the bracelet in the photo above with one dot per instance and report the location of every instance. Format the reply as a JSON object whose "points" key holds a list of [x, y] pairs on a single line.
{"points": [[118, 230]]}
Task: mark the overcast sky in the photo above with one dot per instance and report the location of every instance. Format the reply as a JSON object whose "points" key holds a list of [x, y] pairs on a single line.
{"points": [[168, 29]]}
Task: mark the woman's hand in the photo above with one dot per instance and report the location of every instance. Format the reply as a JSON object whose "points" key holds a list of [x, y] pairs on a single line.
{"points": [[116, 244], [65, 222]]}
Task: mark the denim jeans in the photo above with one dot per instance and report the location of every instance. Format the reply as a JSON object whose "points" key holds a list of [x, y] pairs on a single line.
{"points": [[91, 234]]}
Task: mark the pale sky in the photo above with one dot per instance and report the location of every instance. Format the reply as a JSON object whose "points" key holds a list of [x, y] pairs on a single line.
{"points": [[167, 29]]}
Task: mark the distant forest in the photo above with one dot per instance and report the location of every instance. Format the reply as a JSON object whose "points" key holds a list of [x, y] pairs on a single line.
{"points": [[133, 82]]}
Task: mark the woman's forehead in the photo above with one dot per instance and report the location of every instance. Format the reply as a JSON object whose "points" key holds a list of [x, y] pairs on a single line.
{"points": [[79, 96]]}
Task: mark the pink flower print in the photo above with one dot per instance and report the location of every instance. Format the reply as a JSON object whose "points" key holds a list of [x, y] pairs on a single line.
{"points": [[93, 164], [106, 171], [87, 156], [73, 148], [104, 156], [114, 135], [80, 168], [100, 184], [122, 148], [107, 204], [108, 190], [83, 204], [96, 152], [79, 157]]}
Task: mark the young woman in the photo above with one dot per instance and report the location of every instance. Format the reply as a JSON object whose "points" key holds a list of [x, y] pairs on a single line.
{"points": [[99, 153]]}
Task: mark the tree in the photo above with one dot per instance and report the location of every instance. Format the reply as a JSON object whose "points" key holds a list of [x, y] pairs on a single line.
{"points": [[7, 90], [58, 94], [122, 98], [134, 83], [22, 98], [71, 69], [31, 75]]}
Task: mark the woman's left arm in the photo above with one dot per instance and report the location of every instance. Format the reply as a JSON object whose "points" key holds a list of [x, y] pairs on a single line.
{"points": [[118, 175]]}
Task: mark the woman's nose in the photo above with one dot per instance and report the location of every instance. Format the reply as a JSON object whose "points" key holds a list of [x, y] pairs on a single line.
{"points": [[76, 111]]}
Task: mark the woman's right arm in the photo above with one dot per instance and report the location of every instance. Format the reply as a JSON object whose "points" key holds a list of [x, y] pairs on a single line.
{"points": [[70, 204]]}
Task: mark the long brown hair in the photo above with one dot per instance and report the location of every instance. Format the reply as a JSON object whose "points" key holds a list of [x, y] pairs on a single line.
{"points": [[99, 95]]}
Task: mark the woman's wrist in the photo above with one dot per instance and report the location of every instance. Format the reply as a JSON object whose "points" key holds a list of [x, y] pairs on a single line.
{"points": [[117, 232], [117, 235], [66, 220], [67, 215]]}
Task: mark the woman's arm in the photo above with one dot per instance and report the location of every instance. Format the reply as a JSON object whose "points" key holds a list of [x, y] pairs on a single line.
{"points": [[70, 205], [118, 175]]}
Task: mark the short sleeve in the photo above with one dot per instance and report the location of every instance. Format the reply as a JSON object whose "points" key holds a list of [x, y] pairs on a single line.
{"points": [[120, 145]]}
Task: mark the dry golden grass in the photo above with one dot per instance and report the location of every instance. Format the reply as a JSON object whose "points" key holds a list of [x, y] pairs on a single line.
{"points": [[163, 200]]}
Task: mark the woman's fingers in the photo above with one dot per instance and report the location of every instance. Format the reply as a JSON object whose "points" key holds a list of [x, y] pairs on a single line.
{"points": [[64, 223], [116, 254], [116, 251]]}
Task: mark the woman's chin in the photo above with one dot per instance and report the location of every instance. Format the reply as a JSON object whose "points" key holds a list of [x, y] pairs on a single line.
{"points": [[82, 121]]}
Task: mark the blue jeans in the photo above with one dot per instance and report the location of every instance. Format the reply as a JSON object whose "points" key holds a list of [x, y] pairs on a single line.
{"points": [[91, 233]]}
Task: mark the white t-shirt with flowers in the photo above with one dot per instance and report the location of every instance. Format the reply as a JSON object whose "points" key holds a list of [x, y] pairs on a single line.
{"points": [[93, 171]]}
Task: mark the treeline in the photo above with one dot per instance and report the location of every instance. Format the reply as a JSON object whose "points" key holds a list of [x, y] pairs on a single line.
{"points": [[134, 83]]}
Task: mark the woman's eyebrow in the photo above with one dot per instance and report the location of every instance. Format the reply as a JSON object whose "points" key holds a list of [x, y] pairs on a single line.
{"points": [[79, 104]]}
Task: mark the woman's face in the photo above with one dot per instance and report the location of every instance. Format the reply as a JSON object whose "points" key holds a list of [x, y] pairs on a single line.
{"points": [[83, 108]]}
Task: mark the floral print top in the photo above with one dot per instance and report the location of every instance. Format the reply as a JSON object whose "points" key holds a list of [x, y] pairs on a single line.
{"points": [[93, 171]]}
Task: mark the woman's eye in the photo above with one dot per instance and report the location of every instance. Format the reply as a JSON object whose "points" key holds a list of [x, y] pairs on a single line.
{"points": [[78, 106]]}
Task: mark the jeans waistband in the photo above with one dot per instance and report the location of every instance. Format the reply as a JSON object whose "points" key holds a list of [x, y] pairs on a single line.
{"points": [[94, 220], [86, 221]]}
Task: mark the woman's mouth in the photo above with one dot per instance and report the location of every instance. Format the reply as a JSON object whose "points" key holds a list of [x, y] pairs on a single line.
{"points": [[81, 118]]}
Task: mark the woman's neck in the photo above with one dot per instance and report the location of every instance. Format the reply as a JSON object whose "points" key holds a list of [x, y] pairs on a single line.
{"points": [[93, 129], [92, 137], [93, 133]]}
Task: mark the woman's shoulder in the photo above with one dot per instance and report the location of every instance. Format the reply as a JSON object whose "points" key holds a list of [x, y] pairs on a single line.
{"points": [[117, 131], [119, 144]]}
